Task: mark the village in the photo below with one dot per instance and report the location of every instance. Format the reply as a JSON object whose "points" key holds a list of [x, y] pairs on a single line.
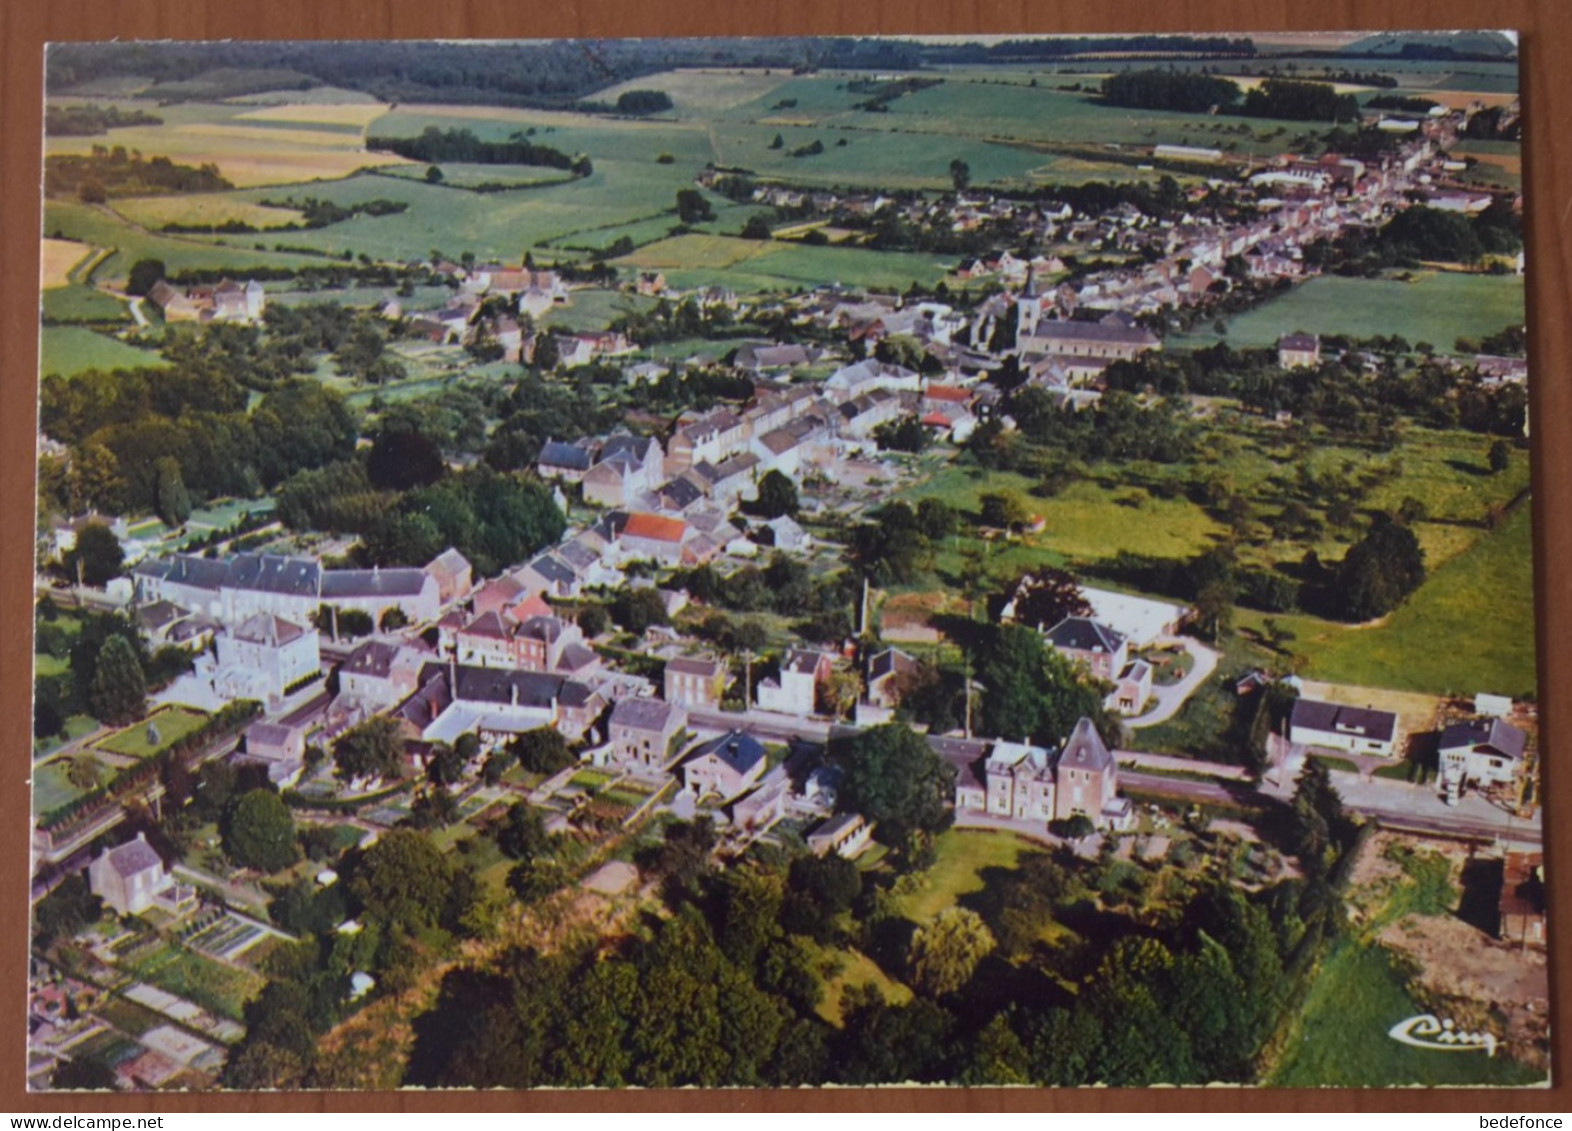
{"points": [[609, 687]]}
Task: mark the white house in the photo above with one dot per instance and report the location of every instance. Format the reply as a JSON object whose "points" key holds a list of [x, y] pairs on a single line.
{"points": [[794, 691], [1332, 726], [1482, 752], [264, 656], [131, 878]]}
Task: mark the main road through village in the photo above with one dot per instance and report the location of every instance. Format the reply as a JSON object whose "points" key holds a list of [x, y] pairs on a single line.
{"points": [[1395, 804]]}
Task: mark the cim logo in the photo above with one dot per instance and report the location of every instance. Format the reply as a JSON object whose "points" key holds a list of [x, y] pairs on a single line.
{"points": [[1427, 1031]]}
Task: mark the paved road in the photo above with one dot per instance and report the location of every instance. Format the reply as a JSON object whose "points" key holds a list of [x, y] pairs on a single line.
{"points": [[1172, 697]]}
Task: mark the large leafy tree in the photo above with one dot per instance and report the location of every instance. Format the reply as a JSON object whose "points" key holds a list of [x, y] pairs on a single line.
{"points": [[404, 881], [1380, 571], [893, 777], [777, 495], [118, 693], [260, 832], [1029, 689], [97, 556], [946, 951], [1045, 596], [372, 749]]}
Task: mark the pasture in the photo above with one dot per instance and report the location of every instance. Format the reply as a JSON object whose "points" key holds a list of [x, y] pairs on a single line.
{"points": [[215, 208], [77, 303], [101, 227], [1484, 596], [758, 265], [68, 350], [1436, 307]]}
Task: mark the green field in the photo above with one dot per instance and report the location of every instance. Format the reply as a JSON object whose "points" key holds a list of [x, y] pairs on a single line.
{"points": [[1438, 307], [103, 228], [963, 856], [690, 261], [68, 350], [1340, 1039], [77, 303], [1469, 628], [456, 174], [173, 724]]}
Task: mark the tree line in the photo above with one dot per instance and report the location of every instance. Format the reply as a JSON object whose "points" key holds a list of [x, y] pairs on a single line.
{"points": [[437, 146]]}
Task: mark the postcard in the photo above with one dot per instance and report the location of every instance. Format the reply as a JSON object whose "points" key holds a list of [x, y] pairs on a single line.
{"points": [[780, 562]]}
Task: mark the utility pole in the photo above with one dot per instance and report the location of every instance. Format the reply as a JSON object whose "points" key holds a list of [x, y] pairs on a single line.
{"points": [[747, 679]]}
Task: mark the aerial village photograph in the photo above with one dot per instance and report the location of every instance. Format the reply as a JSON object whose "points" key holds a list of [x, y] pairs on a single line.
{"points": [[785, 562]]}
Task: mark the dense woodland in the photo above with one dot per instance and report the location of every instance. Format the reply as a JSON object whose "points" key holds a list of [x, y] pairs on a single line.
{"points": [[88, 119], [112, 172], [438, 145]]}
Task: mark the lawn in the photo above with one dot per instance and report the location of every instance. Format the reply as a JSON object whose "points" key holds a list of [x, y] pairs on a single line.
{"points": [[52, 788], [1340, 1038], [963, 856], [1484, 597], [173, 724], [1437, 307], [1205, 726], [69, 350], [75, 727], [857, 969], [220, 989]]}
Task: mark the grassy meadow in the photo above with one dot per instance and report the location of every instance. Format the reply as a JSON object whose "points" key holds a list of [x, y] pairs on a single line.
{"points": [[1436, 307]]}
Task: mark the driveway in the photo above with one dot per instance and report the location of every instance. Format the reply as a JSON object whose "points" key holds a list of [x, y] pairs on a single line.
{"points": [[1171, 698]]}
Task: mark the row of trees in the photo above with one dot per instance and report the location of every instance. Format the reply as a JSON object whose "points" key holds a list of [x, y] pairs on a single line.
{"points": [[438, 146]]}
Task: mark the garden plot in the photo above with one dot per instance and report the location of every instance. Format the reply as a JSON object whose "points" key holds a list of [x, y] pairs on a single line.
{"points": [[227, 937]]}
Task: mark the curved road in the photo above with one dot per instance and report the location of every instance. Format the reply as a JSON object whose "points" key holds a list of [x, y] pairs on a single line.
{"points": [[1172, 697]]}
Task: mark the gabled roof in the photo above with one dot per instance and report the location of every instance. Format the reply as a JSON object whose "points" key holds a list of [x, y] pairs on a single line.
{"points": [[265, 628], [803, 661], [133, 857], [1493, 736], [1068, 331], [552, 569], [654, 526], [373, 658], [488, 625], [687, 665], [271, 573], [738, 750], [1307, 342], [557, 453], [343, 584], [1334, 718], [1082, 634], [267, 734], [891, 661], [623, 446], [1085, 750], [654, 715]]}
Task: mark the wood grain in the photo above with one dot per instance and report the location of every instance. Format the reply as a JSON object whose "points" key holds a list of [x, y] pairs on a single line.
{"points": [[1546, 60]]}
